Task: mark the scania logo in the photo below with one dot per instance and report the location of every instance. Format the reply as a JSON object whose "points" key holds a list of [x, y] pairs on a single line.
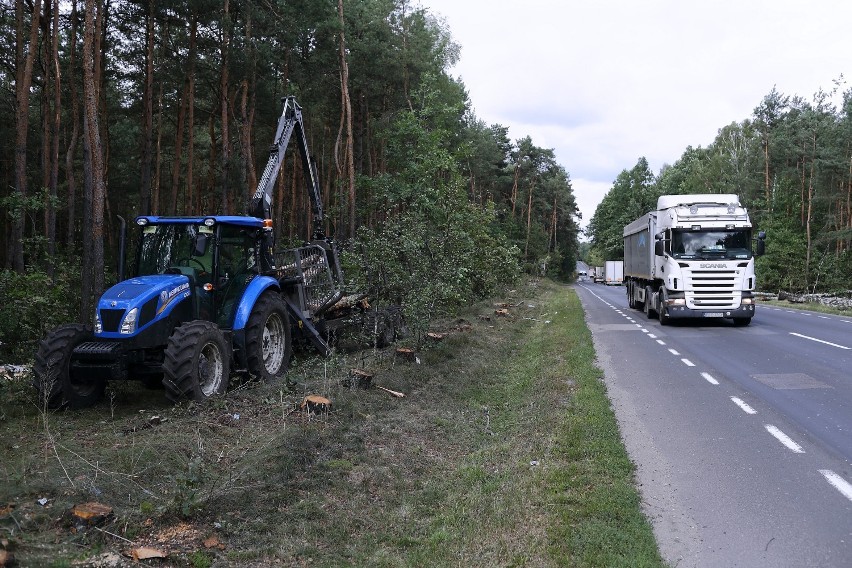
{"points": [[713, 265]]}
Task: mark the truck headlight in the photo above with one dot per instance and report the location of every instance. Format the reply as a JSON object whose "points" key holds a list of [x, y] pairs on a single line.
{"points": [[676, 302], [748, 300], [98, 325], [129, 323]]}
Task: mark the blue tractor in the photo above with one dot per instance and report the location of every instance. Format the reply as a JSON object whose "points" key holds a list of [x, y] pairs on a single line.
{"points": [[207, 295]]}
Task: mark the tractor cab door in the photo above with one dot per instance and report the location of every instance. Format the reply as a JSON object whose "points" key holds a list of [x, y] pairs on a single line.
{"points": [[237, 264]]}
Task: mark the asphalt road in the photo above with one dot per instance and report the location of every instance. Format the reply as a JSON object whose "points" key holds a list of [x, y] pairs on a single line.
{"points": [[742, 436]]}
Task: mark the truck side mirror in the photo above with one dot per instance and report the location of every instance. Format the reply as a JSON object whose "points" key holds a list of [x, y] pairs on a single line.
{"points": [[760, 248], [659, 248]]}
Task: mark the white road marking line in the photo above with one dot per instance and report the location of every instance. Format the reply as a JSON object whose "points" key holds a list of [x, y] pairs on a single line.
{"points": [[784, 439], [645, 330], [688, 363], [652, 336], [838, 482], [820, 341], [673, 352], [710, 378], [746, 408], [823, 317], [661, 342], [639, 325]]}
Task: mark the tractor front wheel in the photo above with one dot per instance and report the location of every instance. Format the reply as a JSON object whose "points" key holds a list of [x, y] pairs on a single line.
{"points": [[54, 378], [196, 363], [268, 342]]}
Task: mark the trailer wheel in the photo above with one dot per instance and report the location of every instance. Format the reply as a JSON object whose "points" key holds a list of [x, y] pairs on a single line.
{"points": [[196, 363], [54, 380], [268, 342], [631, 296]]}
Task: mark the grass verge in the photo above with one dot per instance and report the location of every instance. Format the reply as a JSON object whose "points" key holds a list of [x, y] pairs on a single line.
{"points": [[504, 452]]}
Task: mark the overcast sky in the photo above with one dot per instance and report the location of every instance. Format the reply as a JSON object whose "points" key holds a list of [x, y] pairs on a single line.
{"points": [[605, 82]]}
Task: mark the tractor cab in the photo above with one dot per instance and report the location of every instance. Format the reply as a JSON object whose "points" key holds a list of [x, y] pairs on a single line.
{"points": [[218, 256]]}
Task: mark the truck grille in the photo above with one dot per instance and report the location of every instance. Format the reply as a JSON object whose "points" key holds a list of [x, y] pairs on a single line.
{"points": [[712, 288]]}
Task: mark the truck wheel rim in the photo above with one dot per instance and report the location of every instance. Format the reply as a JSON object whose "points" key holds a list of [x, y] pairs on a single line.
{"points": [[210, 369], [274, 344]]}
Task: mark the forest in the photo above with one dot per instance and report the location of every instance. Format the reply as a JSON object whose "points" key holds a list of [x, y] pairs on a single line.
{"points": [[117, 108], [791, 164]]}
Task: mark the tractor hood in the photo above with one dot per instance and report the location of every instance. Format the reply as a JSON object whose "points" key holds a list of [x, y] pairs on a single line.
{"points": [[152, 297]]}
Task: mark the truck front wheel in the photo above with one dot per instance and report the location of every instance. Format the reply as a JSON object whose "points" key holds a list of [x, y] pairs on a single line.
{"points": [[54, 379], [268, 346], [742, 321], [196, 364], [650, 312]]}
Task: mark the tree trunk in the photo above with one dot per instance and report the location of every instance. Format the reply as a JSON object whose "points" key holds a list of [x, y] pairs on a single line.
{"points": [[158, 158], [529, 219], [93, 272], [349, 159], [148, 115], [75, 131], [23, 80], [176, 163], [247, 86], [50, 219], [223, 102], [190, 119]]}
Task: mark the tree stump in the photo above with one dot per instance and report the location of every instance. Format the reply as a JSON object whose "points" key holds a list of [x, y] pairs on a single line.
{"points": [[316, 404], [358, 378], [406, 353]]}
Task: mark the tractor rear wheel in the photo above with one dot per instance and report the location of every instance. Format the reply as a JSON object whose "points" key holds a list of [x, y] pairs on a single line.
{"points": [[54, 380], [196, 364], [268, 345]]}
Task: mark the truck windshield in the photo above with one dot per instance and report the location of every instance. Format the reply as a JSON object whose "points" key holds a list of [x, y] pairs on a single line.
{"points": [[727, 244], [163, 246]]}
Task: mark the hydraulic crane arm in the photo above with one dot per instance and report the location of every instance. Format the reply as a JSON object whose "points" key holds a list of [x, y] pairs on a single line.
{"points": [[290, 123]]}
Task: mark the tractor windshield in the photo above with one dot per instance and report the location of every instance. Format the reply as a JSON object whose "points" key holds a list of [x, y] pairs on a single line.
{"points": [[708, 245], [164, 246]]}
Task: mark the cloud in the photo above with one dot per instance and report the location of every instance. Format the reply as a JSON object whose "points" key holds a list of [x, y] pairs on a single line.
{"points": [[605, 83]]}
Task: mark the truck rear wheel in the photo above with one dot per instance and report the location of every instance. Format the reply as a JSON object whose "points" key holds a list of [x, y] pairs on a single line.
{"points": [[268, 342], [54, 379], [196, 363]]}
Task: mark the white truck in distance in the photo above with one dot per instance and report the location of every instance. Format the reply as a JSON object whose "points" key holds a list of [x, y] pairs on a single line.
{"points": [[614, 275], [692, 258]]}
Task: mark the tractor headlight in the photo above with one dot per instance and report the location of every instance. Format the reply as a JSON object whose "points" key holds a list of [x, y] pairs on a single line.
{"points": [[129, 323], [98, 325]]}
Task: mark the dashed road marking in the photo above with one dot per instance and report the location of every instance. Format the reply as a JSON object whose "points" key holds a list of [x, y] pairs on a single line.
{"points": [[820, 341], [746, 408], [784, 439], [688, 363], [709, 378], [838, 483], [674, 352]]}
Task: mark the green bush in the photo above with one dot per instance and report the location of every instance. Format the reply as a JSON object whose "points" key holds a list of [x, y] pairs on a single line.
{"points": [[31, 304]]}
